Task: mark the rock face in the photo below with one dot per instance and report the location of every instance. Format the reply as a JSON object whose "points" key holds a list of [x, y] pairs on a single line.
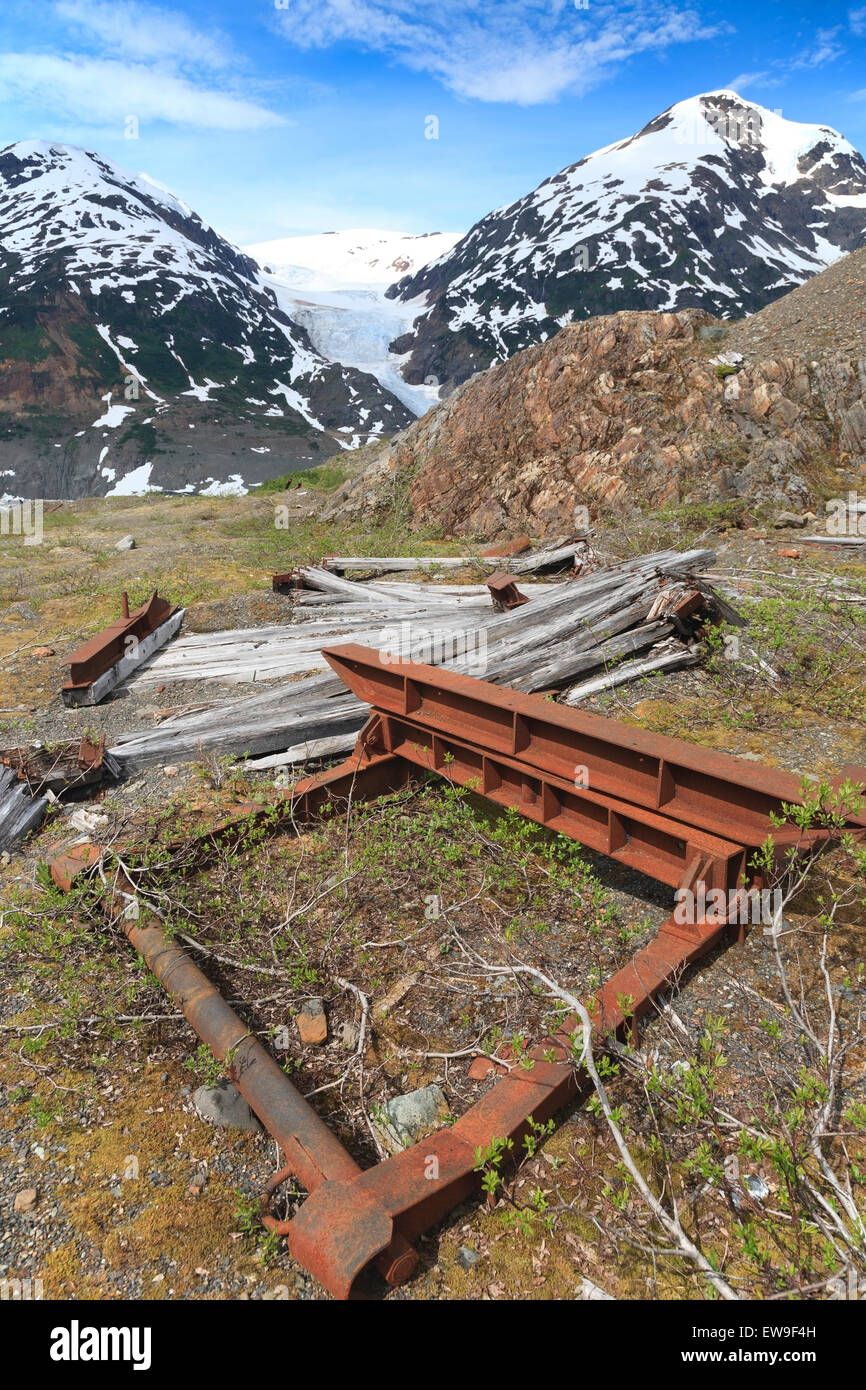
{"points": [[135, 341], [716, 204], [625, 409]]}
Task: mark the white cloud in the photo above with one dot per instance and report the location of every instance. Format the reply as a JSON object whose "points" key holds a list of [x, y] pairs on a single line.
{"points": [[524, 51], [857, 20], [748, 79], [117, 58], [826, 49], [104, 89], [143, 33]]}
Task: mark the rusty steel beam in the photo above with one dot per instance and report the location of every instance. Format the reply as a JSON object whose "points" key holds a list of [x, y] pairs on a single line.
{"points": [[107, 647], [355, 1218], [313, 1152], [117, 645], [418, 1187], [655, 845], [699, 787]]}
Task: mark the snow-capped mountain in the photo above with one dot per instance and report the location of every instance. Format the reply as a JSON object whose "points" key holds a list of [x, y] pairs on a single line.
{"points": [[334, 285], [361, 256], [138, 348], [716, 204]]}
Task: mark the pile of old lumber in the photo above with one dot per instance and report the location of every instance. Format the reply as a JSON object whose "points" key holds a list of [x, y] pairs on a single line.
{"points": [[642, 610], [327, 609]]}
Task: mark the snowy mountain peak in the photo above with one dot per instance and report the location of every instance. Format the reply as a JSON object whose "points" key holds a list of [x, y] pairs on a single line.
{"points": [[717, 203], [126, 322], [725, 119]]}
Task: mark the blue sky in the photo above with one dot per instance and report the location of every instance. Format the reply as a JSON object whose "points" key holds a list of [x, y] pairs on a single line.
{"points": [[276, 117]]}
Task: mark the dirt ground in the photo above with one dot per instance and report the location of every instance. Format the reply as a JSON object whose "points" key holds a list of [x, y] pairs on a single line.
{"points": [[136, 1197]]}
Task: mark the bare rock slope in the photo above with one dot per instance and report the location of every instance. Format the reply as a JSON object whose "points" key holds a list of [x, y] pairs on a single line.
{"points": [[629, 408]]}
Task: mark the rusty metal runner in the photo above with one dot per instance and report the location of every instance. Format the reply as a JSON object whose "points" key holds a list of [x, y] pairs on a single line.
{"points": [[103, 651], [720, 794]]}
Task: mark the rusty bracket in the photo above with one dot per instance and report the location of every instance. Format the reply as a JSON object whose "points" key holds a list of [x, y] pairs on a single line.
{"points": [[287, 582], [79, 762], [504, 592]]}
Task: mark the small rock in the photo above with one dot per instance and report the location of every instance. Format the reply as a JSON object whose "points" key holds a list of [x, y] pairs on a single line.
{"points": [[397, 992], [87, 821], [42, 651], [126, 543], [789, 519], [26, 1200], [312, 1023], [467, 1257], [409, 1117], [170, 771], [788, 554], [588, 1292], [756, 1187], [347, 1036], [224, 1105]]}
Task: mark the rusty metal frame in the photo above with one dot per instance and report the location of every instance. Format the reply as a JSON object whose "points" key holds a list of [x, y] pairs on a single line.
{"points": [[513, 750]]}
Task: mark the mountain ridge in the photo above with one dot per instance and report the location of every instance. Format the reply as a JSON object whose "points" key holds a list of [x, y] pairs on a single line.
{"points": [[717, 204], [127, 324]]}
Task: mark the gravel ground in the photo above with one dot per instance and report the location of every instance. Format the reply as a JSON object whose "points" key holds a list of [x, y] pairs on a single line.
{"points": [[827, 314]]}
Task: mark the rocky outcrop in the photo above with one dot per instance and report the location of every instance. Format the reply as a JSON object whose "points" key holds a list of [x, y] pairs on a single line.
{"points": [[630, 408]]}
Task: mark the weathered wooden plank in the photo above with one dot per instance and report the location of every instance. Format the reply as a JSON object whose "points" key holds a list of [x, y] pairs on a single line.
{"points": [[668, 660]]}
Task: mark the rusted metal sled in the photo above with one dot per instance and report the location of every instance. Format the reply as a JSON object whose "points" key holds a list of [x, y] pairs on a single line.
{"points": [[31, 776], [61, 767], [110, 657], [681, 814]]}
